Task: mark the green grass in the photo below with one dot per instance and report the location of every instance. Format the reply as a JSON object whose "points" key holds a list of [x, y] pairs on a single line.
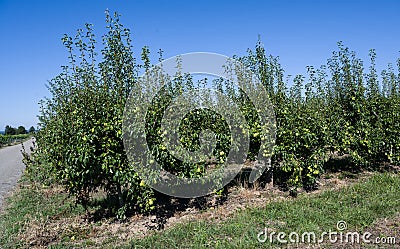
{"points": [[29, 203], [359, 205]]}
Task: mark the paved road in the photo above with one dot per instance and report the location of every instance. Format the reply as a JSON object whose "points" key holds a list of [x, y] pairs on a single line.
{"points": [[11, 167]]}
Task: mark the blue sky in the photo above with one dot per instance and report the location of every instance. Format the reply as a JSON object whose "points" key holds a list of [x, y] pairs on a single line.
{"points": [[301, 32]]}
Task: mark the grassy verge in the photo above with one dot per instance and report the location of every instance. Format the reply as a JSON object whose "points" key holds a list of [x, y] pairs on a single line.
{"points": [[32, 204], [359, 205]]}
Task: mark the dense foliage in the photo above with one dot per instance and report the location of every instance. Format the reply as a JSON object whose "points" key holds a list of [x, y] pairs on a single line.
{"points": [[337, 110], [80, 141], [12, 139]]}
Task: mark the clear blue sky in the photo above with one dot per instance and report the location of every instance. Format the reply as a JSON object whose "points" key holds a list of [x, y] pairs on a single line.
{"points": [[301, 32]]}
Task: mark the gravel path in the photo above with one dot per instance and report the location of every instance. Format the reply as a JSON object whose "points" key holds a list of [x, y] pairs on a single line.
{"points": [[11, 167]]}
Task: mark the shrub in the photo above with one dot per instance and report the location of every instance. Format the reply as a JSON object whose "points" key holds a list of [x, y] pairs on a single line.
{"points": [[79, 142]]}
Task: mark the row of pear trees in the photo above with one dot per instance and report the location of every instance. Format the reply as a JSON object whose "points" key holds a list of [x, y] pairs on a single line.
{"points": [[338, 109]]}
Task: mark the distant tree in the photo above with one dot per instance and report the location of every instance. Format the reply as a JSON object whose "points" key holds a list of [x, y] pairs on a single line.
{"points": [[32, 129], [10, 130], [21, 130]]}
